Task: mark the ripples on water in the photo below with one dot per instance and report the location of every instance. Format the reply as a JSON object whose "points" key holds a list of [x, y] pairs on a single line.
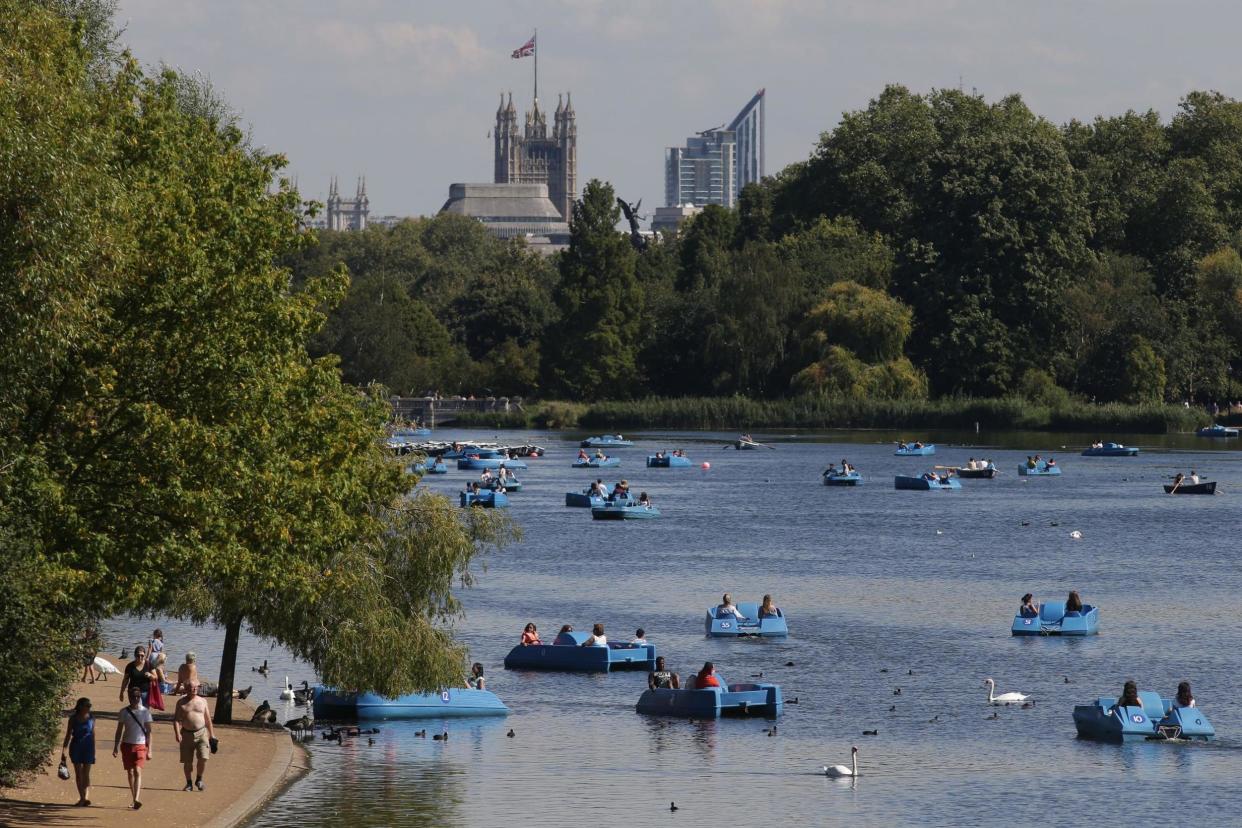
{"points": [[868, 585]]}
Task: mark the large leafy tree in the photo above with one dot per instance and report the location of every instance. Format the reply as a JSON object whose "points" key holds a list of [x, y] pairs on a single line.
{"points": [[166, 443], [599, 300]]}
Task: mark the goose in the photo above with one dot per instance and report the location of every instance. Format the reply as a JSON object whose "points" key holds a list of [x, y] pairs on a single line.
{"points": [[839, 771], [263, 670], [287, 693], [1003, 698]]}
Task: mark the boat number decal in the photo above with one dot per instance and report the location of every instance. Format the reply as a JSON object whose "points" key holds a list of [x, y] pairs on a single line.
{"points": [[724, 625], [1137, 718], [1027, 622], [444, 696]]}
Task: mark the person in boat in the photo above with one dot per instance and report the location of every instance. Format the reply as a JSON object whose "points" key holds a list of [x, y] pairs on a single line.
{"points": [[640, 637], [486, 476], [1178, 479], [530, 635], [596, 638], [1031, 462], [475, 680], [662, 678], [598, 488], [644, 500], [706, 677], [659, 455], [599, 455], [846, 468], [901, 445], [726, 608], [831, 471], [1184, 697], [621, 491], [1194, 477], [930, 476], [582, 455], [768, 609], [918, 444], [502, 473], [1129, 696], [1073, 603], [1028, 609], [565, 628], [1050, 463]]}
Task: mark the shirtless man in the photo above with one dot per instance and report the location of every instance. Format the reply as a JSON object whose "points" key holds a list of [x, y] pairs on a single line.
{"points": [[192, 727], [186, 673]]}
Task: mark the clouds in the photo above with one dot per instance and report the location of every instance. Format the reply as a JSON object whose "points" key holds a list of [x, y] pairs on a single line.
{"points": [[405, 92]]}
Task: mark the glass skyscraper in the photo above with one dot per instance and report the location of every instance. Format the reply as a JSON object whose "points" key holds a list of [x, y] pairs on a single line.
{"points": [[716, 164]]}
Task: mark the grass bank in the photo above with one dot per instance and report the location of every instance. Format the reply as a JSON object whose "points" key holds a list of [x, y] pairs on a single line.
{"points": [[728, 413]]}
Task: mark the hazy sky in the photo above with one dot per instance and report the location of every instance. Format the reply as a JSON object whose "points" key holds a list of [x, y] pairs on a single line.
{"points": [[405, 92]]}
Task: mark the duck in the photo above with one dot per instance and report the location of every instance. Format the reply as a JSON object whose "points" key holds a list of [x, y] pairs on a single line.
{"points": [[840, 771], [124, 653], [994, 715], [301, 725], [261, 669], [672, 806], [370, 740], [287, 693], [1003, 698], [260, 715], [422, 734], [510, 734], [441, 737], [1076, 535], [305, 695], [897, 692]]}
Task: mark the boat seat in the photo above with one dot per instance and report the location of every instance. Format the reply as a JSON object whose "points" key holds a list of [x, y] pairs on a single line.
{"points": [[571, 639], [1153, 705], [1052, 611]]}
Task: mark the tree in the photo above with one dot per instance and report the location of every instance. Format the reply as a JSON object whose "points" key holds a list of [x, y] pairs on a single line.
{"points": [[166, 443], [855, 337], [594, 347], [1143, 374]]}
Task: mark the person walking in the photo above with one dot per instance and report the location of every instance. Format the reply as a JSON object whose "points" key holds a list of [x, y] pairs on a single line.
{"points": [[79, 745], [192, 727], [138, 673], [133, 742]]}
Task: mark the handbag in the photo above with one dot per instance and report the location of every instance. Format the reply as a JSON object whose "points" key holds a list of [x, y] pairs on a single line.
{"points": [[63, 770], [154, 697]]}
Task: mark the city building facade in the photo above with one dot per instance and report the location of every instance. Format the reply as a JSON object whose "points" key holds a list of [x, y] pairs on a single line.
{"points": [[714, 165], [347, 214], [535, 155]]}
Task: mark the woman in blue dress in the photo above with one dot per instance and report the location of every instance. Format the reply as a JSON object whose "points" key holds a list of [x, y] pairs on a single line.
{"points": [[80, 742]]}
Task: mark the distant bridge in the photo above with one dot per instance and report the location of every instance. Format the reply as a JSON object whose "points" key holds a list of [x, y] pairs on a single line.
{"points": [[434, 411]]}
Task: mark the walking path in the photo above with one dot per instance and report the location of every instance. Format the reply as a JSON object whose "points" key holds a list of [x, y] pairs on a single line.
{"points": [[253, 764]]}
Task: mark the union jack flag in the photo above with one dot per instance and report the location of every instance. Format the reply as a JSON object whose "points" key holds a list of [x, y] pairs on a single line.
{"points": [[526, 49]]}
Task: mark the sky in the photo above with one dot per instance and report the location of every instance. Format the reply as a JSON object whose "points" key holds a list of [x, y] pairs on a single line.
{"points": [[405, 93]]}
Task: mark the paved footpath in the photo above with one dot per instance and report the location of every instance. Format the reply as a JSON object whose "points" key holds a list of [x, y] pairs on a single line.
{"points": [[252, 765]]}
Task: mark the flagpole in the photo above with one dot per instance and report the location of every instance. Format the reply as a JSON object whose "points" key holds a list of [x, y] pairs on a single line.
{"points": [[536, 51]]}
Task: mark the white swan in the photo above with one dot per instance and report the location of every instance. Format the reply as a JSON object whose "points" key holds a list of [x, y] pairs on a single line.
{"points": [[1004, 698], [287, 693], [839, 771], [104, 666]]}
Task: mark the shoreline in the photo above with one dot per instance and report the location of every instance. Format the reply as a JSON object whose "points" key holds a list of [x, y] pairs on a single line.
{"points": [[255, 764]]}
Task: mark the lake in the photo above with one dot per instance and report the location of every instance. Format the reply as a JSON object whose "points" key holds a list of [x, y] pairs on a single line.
{"points": [[883, 589]]}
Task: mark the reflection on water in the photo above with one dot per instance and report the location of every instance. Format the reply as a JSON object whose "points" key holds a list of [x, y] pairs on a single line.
{"points": [[878, 600]]}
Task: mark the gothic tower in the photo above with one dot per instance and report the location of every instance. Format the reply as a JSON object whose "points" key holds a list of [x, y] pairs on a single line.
{"points": [[533, 156], [348, 214]]}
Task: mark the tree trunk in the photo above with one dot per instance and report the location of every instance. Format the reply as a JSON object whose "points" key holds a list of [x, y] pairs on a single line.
{"points": [[228, 665]]}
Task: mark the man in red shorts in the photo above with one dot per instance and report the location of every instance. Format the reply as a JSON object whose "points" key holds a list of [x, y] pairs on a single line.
{"points": [[133, 740]]}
